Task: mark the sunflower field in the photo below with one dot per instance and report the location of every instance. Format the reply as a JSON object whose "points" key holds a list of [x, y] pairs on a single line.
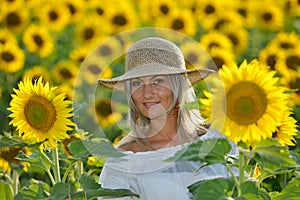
{"points": [[57, 126]]}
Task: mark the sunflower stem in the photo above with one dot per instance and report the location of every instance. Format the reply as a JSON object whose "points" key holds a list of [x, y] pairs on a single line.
{"points": [[236, 181], [67, 172], [15, 182], [51, 177], [55, 166]]}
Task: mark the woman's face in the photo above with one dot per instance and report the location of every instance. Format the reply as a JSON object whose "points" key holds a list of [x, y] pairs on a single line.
{"points": [[152, 95]]}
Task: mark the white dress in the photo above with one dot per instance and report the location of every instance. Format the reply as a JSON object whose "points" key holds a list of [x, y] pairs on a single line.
{"points": [[152, 178]]}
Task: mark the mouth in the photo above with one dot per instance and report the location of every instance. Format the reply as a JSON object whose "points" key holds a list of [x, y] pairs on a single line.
{"points": [[150, 104]]}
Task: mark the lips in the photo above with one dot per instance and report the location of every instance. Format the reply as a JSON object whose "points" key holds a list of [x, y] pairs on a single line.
{"points": [[150, 104]]}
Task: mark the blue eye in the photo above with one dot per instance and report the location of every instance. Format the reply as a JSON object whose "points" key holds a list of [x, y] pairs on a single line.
{"points": [[136, 83], [158, 81]]}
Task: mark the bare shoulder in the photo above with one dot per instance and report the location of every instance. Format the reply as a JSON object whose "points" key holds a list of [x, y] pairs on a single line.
{"points": [[132, 146]]}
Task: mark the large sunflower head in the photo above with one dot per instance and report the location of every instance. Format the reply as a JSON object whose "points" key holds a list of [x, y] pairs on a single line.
{"points": [[40, 115], [253, 103]]}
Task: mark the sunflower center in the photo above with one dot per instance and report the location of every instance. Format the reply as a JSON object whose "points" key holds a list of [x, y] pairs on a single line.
{"points": [[94, 69], [293, 62], [88, 33], [99, 11], [72, 9], [295, 85], [164, 9], [53, 16], [177, 24], [209, 9], [219, 62], [13, 19], [286, 45], [38, 40], [7, 56], [192, 57], [103, 108], [220, 23], [235, 41], [40, 113], [271, 61], [119, 20], [66, 73], [105, 50], [246, 103], [267, 17], [243, 12]]}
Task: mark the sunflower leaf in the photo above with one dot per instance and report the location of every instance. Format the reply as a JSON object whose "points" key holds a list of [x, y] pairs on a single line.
{"points": [[217, 188], [290, 191], [269, 154], [210, 151], [84, 148], [35, 159], [10, 142]]}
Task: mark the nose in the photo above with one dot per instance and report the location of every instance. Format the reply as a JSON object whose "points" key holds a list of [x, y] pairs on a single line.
{"points": [[148, 90]]}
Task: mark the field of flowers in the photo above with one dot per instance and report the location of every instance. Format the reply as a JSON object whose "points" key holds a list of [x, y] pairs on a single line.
{"points": [[48, 150]]}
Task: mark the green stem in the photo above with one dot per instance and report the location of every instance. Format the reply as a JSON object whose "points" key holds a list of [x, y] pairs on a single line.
{"points": [[242, 167], [49, 162], [236, 181], [55, 166], [15, 182], [51, 177], [67, 172]]}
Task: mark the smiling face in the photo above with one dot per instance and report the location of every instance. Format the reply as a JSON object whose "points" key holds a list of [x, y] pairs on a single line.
{"points": [[152, 95]]}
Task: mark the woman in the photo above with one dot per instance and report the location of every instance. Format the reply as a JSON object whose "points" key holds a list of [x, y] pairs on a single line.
{"points": [[157, 83]]}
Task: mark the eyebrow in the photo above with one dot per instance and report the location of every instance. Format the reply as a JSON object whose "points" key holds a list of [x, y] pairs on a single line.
{"points": [[153, 77]]}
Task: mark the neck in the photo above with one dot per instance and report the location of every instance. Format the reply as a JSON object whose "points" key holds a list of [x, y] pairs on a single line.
{"points": [[163, 128]]}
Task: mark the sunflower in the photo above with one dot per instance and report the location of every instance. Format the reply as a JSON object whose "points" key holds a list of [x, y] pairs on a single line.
{"points": [[289, 63], [76, 9], [108, 50], [7, 157], [243, 8], [221, 19], [12, 58], [268, 16], [155, 8], [285, 41], [204, 9], [6, 36], [36, 72], [38, 40], [65, 71], [122, 17], [178, 20], [195, 55], [238, 37], [55, 14], [91, 30], [248, 105], [104, 112], [286, 130], [66, 89], [78, 54], [292, 82], [93, 69], [15, 18], [292, 7], [215, 39], [97, 7], [269, 56], [38, 114], [219, 57]]}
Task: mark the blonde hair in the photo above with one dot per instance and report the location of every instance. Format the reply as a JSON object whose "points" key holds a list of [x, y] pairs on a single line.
{"points": [[190, 123]]}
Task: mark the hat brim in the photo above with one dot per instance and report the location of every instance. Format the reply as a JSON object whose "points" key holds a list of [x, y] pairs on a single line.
{"points": [[152, 69]]}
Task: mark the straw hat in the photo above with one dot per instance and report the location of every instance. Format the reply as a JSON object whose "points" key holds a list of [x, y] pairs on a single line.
{"points": [[154, 56]]}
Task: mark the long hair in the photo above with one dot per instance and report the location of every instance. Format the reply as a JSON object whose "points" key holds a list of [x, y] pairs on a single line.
{"points": [[190, 123]]}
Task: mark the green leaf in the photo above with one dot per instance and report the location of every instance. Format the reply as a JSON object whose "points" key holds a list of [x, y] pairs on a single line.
{"points": [[88, 182], [291, 191], [218, 188], [35, 159], [84, 148], [269, 154], [5, 191], [249, 190], [10, 142], [60, 191], [91, 189], [34, 192], [210, 151]]}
